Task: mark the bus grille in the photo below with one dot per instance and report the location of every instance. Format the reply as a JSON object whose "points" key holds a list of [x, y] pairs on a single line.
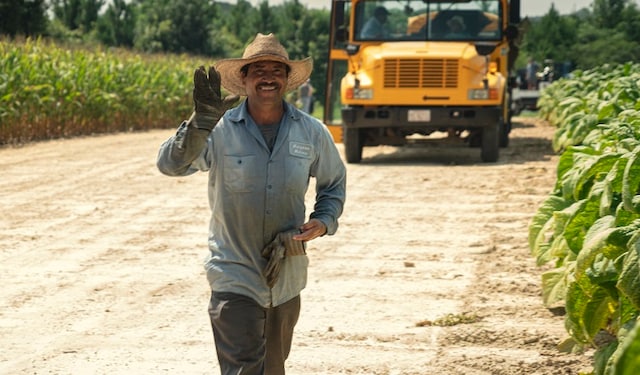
{"points": [[420, 73]]}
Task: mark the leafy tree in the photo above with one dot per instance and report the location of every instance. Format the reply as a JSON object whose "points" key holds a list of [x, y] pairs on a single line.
{"points": [[116, 27], [222, 42], [77, 14], [552, 37], [23, 17], [265, 21], [291, 21], [611, 36], [89, 14], [241, 21], [179, 27], [317, 49], [630, 22], [597, 46], [607, 13], [67, 12]]}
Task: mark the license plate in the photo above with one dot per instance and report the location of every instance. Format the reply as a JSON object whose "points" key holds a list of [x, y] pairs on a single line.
{"points": [[419, 115]]}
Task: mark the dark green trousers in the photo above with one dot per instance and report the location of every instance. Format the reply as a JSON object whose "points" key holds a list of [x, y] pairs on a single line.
{"points": [[251, 339]]}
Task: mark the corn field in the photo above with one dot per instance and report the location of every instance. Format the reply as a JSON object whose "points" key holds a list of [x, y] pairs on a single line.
{"points": [[49, 91]]}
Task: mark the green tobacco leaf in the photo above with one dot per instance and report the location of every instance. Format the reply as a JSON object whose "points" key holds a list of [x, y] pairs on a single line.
{"points": [[543, 223], [629, 281], [589, 309], [601, 166], [558, 249], [587, 212], [604, 273], [625, 360], [598, 312], [594, 242], [565, 163], [575, 304], [572, 123], [602, 356], [607, 110], [611, 187], [620, 239], [573, 164], [554, 285], [587, 124], [631, 181], [624, 217]]}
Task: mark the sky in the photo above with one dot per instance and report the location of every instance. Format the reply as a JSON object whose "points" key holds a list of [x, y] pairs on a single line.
{"points": [[530, 8]]}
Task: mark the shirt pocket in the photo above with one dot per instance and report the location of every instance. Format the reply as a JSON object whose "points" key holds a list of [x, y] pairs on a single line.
{"points": [[297, 167], [239, 173]]}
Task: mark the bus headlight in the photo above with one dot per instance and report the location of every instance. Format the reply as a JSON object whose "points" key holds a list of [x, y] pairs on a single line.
{"points": [[482, 94], [353, 93]]}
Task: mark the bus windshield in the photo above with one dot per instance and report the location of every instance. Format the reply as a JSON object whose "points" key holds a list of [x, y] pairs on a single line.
{"points": [[392, 20]]}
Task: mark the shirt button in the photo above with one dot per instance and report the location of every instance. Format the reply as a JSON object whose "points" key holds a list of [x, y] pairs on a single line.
{"points": [[269, 187], [268, 212]]}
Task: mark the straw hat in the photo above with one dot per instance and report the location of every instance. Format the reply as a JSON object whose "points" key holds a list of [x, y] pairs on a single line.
{"points": [[263, 48]]}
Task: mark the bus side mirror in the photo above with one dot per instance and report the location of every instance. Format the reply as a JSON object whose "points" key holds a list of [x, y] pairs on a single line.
{"points": [[352, 49], [511, 32], [485, 49]]}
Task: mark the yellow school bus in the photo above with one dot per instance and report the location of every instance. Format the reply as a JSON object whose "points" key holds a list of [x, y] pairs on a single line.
{"points": [[421, 71]]}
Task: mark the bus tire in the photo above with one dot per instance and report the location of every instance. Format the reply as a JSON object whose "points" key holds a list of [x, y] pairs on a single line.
{"points": [[490, 147], [505, 129], [352, 138]]}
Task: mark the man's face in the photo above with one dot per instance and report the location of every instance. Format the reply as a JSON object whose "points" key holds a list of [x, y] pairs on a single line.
{"points": [[266, 79]]}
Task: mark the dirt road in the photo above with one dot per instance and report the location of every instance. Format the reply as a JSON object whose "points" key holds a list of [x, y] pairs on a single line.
{"points": [[429, 272]]}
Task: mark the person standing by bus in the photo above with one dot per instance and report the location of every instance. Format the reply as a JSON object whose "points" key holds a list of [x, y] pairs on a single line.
{"points": [[305, 94], [531, 74]]}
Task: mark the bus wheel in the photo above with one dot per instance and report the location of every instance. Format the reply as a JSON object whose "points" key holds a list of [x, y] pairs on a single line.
{"points": [[505, 129], [490, 147], [352, 144]]}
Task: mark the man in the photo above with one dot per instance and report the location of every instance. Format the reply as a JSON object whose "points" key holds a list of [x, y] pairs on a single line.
{"points": [[531, 74], [305, 93], [375, 27], [259, 156], [456, 28]]}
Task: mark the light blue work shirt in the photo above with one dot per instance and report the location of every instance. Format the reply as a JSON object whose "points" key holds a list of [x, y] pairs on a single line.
{"points": [[255, 193]]}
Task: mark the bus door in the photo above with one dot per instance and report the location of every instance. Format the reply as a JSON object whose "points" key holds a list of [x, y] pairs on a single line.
{"points": [[337, 66]]}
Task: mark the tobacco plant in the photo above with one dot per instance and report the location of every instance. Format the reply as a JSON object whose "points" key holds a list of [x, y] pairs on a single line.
{"points": [[587, 232]]}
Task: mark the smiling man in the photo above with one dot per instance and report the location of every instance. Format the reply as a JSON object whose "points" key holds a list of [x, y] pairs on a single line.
{"points": [[259, 156]]}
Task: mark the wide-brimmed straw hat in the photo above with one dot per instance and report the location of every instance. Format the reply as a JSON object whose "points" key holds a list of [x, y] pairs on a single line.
{"points": [[263, 48]]}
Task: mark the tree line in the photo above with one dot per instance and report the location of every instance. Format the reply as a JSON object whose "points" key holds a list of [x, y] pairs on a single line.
{"points": [[606, 32]]}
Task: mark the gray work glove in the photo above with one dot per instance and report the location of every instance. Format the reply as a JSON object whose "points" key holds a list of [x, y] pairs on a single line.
{"points": [[282, 246], [209, 105]]}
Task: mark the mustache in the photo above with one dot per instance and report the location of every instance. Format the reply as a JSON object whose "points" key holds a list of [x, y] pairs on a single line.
{"points": [[268, 84]]}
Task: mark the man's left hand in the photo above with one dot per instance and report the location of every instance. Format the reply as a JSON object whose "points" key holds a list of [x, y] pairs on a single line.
{"points": [[310, 230]]}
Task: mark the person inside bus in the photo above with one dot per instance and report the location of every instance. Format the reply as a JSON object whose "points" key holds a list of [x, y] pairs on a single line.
{"points": [[456, 28], [375, 27]]}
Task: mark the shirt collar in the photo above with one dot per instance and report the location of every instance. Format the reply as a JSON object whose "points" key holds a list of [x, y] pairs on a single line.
{"points": [[240, 113]]}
